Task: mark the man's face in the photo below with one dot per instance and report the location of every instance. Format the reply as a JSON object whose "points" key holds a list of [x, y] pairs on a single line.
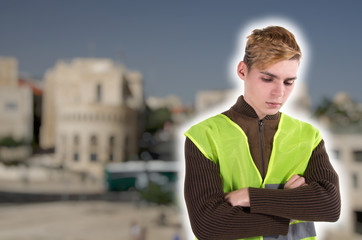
{"points": [[268, 89]]}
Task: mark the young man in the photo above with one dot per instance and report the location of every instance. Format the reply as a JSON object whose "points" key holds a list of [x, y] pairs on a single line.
{"points": [[253, 172]]}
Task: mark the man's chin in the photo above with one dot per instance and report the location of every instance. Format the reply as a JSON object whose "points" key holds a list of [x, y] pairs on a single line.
{"points": [[272, 111]]}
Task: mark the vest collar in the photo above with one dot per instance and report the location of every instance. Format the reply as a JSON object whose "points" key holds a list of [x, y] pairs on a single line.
{"points": [[242, 107]]}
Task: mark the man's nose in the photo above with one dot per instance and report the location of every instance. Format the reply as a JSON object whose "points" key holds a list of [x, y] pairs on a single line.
{"points": [[278, 89]]}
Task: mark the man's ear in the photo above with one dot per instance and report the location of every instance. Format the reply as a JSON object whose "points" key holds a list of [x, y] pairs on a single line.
{"points": [[242, 70]]}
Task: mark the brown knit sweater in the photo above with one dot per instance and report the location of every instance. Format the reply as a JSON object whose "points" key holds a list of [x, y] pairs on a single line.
{"points": [[212, 217]]}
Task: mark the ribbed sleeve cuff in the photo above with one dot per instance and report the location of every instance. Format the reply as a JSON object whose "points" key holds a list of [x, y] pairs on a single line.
{"points": [[264, 201], [281, 225], [258, 206]]}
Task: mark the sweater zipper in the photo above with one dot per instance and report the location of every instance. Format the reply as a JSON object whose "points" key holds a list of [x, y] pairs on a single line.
{"points": [[262, 147]]}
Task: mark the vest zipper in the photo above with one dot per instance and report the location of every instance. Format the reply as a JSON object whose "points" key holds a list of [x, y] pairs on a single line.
{"points": [[262, 148]]}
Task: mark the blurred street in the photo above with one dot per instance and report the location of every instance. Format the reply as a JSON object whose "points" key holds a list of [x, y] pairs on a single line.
{"points": [[62, 205], [86, 221]]}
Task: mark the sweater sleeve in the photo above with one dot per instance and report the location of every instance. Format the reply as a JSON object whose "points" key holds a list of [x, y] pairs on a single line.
{"points": [[318, 201], [212, 217]]}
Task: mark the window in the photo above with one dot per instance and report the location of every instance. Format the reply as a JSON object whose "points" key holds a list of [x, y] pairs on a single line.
{"points": [[127, 145], [93, 157], [76, 140], [99, 93], [337, 154], [355, 180], [11, 106], [358, 223], [76, 148], [111, 141], [76, 157], [93, 148], [111, 148], [93, 140], [358, 155]]}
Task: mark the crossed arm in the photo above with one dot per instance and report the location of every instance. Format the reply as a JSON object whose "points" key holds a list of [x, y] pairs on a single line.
{"points": [[214, 215], [241, 196]]}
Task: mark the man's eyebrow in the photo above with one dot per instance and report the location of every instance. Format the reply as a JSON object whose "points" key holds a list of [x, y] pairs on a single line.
{"points": [[275, 76]]}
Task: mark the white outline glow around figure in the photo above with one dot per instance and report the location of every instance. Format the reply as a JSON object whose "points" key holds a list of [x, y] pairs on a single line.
{"points": [[288, 108]]}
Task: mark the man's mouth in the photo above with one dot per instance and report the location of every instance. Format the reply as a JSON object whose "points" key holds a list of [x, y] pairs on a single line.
{"points": [[274, 104]]}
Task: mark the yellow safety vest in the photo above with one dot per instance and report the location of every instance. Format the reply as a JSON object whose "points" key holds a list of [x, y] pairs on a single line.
{"points": [[225, 143]]}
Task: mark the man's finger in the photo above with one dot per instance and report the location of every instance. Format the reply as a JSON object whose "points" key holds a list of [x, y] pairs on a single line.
{"points": [[291, 180], [298, 183], [294, 182]]}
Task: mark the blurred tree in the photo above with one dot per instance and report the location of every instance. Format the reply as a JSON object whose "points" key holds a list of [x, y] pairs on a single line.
{"points": [[155, 193], [342, 111], [155, 119], [154, 122], [11, 142]]}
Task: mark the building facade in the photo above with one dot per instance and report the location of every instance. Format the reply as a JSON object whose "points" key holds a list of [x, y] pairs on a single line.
{"points": [[347, 148], [343, 118], [91, 110], [16, 113]]}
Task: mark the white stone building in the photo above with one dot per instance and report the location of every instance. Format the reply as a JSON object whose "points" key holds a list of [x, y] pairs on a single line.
{"points": [[16, 112], [208, 99], [347, 148], [91, 113], [343, 119], [168, 102]]}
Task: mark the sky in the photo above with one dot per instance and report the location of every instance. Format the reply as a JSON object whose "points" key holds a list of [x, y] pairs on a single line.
{"points": [[181, 47]]}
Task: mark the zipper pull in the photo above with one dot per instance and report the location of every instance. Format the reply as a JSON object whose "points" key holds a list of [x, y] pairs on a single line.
{"points": [[260, 124]]}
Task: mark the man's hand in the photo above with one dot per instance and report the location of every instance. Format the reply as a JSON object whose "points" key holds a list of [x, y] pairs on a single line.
{"points": [[294, 182], [239, 197]]}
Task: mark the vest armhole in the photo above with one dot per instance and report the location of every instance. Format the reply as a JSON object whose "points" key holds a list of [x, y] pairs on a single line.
{"points": [[318, 139], [197, 145]]}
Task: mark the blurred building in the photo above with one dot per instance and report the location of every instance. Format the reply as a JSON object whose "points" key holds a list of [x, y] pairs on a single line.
{"points": [[91, 113], [348, 150], [168, 102], [16, 113], [343, 116], [37, 93], [207, 99], [179, 112]]}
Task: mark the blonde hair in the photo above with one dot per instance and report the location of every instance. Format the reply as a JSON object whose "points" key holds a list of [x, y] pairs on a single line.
{"points": [[270, 45]]}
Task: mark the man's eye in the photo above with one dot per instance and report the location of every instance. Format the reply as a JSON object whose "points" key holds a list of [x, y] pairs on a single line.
{"points": [[288, 83], [267, 79]]}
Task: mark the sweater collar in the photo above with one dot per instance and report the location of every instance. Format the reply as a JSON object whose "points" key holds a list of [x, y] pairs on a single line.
{"points": [[242, 107]]}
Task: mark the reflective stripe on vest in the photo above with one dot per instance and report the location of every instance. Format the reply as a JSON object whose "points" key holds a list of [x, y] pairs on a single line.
{"points": [[225, 143], [299, 230]]}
